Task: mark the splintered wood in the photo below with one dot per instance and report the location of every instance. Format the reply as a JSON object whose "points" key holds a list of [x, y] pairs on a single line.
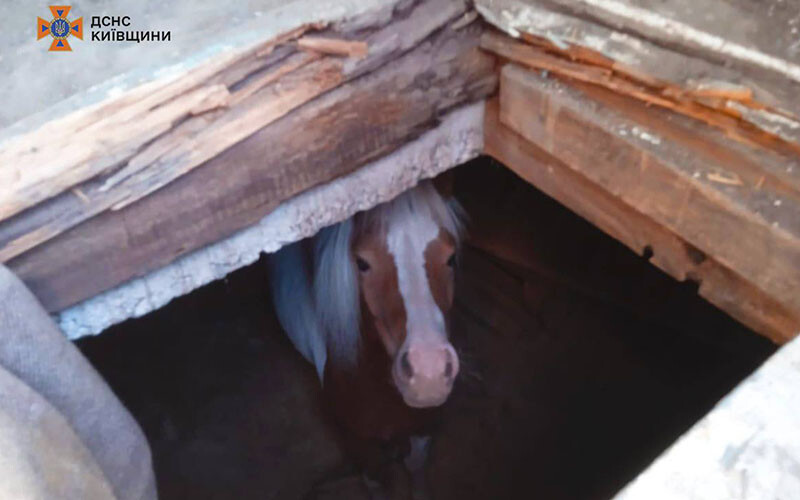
{"points": [[133, 146], [720, 212], [112, 192], [694, 162], [725, 55], [70, 150], [712, 105], [671, 253], [349, 48]]}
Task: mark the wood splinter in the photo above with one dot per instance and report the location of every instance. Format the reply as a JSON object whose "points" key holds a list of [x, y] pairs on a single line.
{"points": [[335, 46]]}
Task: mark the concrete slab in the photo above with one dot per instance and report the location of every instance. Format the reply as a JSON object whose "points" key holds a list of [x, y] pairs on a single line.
{"points": [[38, 85], [747, 447]]}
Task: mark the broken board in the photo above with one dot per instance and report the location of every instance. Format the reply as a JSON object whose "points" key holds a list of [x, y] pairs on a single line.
{"points": [[625, 135]]}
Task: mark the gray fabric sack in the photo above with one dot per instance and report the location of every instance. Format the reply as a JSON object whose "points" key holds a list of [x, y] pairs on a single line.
{"points": [[63, 432]]}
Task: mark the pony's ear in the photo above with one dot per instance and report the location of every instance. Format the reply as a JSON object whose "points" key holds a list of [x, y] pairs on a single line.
{"points": [[444, 183]]}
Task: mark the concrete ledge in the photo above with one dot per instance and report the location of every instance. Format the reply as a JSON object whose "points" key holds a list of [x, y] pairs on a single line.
{"points": [[747, 447]]}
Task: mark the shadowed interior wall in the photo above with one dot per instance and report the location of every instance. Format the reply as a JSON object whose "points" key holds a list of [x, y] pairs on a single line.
{"points": [[581, 362]]}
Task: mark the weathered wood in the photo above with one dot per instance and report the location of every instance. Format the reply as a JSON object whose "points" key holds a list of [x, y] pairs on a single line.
{"points": [[70, 150], [610, 212], [664, 177], [780, 172], [456, 139], [142, 141], [736, 31], [350, 48], [659, 43], [328, 137], [709, 105]]}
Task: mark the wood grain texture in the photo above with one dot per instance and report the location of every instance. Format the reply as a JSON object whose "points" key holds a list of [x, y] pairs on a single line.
{"points": [[649, 45], [746, 227], [72, 149], [125, 149], [328, 137], [609, 211], [325, 45], [721, 106], [758, 35]]}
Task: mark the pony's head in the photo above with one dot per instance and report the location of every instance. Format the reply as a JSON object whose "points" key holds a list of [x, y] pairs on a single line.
{"points": [[396, 281]]}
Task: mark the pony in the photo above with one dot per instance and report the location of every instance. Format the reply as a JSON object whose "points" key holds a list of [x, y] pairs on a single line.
{"points": [[366, 301]]}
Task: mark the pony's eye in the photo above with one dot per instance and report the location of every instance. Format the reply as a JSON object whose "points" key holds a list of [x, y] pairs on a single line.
{"points": [[451, 262], [362, 264]]}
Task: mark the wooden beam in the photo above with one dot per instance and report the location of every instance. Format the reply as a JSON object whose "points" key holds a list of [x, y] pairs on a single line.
{"points": [[731, 31], [123, 150], [333, 134], [708, 105], [643, 46], [610, 212], [324, 45], [75, 148], [666, 178]]}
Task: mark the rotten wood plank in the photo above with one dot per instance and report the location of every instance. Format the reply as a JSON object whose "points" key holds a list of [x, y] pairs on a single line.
{"points": [[70, 150], [585, 30], [762, 35], [638, 231], [325, 45], [663, 178], [123, 150], [775, 172], [330, 136], [709, 105]]}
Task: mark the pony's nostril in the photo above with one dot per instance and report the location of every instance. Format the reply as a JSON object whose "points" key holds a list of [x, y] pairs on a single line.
{"points": [[405, 365], [451, 364]]}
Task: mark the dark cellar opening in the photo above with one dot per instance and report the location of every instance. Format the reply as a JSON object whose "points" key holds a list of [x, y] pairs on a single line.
{"points": [[581, 362]]}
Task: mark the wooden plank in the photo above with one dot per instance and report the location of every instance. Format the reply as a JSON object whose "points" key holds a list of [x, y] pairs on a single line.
{"points": [[762, 35], [142, 141], [663, 178], [72, 149], [566, 27], [325, 45], [326, 138], [755, 166], [639, 232], [709, 105]]}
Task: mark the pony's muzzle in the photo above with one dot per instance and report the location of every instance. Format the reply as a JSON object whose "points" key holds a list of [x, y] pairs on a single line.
{"points": [[424, 374]]}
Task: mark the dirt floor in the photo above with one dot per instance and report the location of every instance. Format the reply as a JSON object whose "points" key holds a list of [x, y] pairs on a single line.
{"points": [[581, 362]]}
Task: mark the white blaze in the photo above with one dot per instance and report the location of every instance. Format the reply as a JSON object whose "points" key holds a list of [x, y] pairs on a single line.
{"points": [[407, 240]]}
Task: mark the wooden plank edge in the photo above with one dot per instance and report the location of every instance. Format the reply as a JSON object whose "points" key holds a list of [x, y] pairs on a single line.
{"points": [[659, 177], [728, 108], [720, 286], [138, 146], [457, 139], [568, 32], [334, 135]]}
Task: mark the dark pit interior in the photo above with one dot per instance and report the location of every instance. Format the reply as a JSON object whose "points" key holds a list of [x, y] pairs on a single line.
{"points": [[581, 362]]}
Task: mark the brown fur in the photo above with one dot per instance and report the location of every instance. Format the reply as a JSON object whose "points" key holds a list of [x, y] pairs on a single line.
{"points": [[365, 403]]}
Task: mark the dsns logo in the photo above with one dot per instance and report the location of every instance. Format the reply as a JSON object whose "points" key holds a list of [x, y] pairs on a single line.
{"points": [[60, 28]]}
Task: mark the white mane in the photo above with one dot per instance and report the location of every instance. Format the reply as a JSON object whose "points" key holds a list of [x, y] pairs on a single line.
{"points": [[317, 298]]}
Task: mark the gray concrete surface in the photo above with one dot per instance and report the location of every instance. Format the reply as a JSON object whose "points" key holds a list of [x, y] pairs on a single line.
{"points": [[38, 85], [747, 447]]}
